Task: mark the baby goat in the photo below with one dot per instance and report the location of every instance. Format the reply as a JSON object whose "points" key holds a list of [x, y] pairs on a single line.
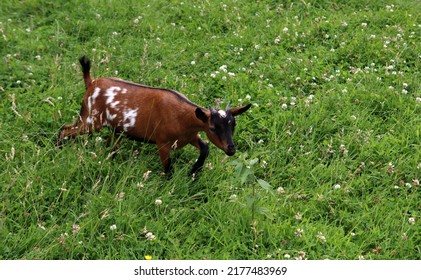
{"points": [[154, 115]]}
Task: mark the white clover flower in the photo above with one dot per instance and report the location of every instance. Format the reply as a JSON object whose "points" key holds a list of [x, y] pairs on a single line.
{"points": [[418, 99], [301, 255], [193, 62], [284, 106], [299, 232], [343, 149], [411, 220], [146, 175], [158, 202], [298, 216], [281, 190], [287, 256], [75, 228], [113, 227], [264, 164], [209, 166], [337, 186], [120, 196], [321, 237], [285, 30], [150, 236]]}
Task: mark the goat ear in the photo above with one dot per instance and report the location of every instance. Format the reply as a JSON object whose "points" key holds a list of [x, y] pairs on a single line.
{"points": [[201, 115], [239, 110]]}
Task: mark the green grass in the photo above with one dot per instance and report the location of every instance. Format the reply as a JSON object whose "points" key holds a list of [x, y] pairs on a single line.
{"points": [[329, 156]]}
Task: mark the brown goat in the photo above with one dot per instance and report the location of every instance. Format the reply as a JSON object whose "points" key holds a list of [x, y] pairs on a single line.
{"points": [[153, 115]]}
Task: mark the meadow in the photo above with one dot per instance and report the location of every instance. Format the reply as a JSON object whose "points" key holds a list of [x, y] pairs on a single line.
{"points": [[328, 158]]}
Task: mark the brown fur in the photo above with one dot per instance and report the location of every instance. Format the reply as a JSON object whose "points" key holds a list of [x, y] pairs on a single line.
{"points": [[160, 116]]}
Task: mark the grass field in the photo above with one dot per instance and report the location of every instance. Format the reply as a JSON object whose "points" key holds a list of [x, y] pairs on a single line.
{"points": [[329, 156]]}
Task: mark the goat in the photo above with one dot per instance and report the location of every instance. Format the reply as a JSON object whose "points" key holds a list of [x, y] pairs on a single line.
{"points": [[154, 115]]}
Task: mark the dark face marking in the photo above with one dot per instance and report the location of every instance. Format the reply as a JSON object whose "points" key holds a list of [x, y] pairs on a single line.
{"points": [[223, 126]]}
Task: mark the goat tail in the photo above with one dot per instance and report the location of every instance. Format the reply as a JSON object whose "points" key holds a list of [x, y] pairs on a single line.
{"points": [[86, 68]]}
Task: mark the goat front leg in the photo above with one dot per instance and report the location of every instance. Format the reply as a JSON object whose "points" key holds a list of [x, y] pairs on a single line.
{"points": [[203, 147], [71, 131], [87, 123]]}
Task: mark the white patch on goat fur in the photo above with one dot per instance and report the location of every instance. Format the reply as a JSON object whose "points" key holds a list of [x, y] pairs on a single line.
{"points": [[89, 104], [222, 113], [111, 94], [95, 94], [124, 90], [114, 104], [129, 118], [110, 117]]}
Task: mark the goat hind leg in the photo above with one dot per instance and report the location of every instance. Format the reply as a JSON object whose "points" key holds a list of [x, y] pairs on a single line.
{"points": [[164, 155]]}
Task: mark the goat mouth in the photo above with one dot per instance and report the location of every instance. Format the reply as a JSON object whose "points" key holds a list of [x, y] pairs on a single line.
{"points": [[230, 152]]}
